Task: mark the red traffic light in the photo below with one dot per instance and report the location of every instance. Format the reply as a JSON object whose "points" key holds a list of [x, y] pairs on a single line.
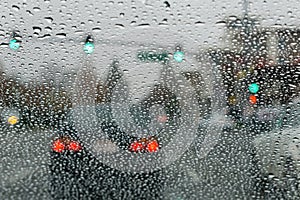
{"points": [[252, 99]]}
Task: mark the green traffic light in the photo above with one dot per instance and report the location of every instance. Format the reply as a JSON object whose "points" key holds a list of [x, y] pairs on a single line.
{"points": [[178, 56], [253, 88], [89, 47], [14, 44]]}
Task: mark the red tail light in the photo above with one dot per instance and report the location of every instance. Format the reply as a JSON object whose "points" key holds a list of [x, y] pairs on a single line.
{"points": [[65, 143], [58, 146], [162, 118], [152, 146], [74, 146], [144, 144], [136, 146]]}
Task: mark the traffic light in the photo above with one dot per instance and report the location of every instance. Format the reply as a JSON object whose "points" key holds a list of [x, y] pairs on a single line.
{"points": [[89, 45], [253, 88], [252, 99], [178, 54], [15, 42]]}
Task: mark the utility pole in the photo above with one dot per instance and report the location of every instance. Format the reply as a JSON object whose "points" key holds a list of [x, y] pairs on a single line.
{"points": [[246, 54], [245, 7]]}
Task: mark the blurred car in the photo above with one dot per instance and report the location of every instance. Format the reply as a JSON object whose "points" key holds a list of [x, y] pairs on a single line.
{"points": [[103, 123], [277, 153], [77, 173]]}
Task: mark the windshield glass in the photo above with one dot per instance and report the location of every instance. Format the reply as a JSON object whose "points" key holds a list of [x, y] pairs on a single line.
{"points": [[149, 99]]}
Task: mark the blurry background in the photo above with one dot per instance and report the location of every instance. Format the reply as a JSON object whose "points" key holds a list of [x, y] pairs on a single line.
{"points": [[244, 41]]}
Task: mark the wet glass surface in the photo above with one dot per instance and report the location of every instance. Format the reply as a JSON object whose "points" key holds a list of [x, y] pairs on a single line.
{"points": [[149, 99]]}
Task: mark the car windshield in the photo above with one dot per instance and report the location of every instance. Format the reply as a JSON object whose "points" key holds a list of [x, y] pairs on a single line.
{"points": [[149, 99]]}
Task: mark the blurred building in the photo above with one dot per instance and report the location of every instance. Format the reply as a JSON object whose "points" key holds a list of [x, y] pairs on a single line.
{"points": [[267, 56]]}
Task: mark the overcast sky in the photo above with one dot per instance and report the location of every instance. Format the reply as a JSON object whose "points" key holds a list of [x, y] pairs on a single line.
{"points": [[194, 22]]}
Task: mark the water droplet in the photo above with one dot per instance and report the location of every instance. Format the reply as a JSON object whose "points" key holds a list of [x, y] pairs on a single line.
{"points": [[221, 23], [167, 4], [16, 8], [49, 19], [145, 25], [37, 29], [36, 9], [199, 23], [79, 31], [96, 29], [46, 36], [48, 28], [61, 35], [120, 26], [29, 12]]}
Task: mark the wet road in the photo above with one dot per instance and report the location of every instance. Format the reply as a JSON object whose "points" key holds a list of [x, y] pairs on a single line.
{"points": [[24, 164], [225, 171]]}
